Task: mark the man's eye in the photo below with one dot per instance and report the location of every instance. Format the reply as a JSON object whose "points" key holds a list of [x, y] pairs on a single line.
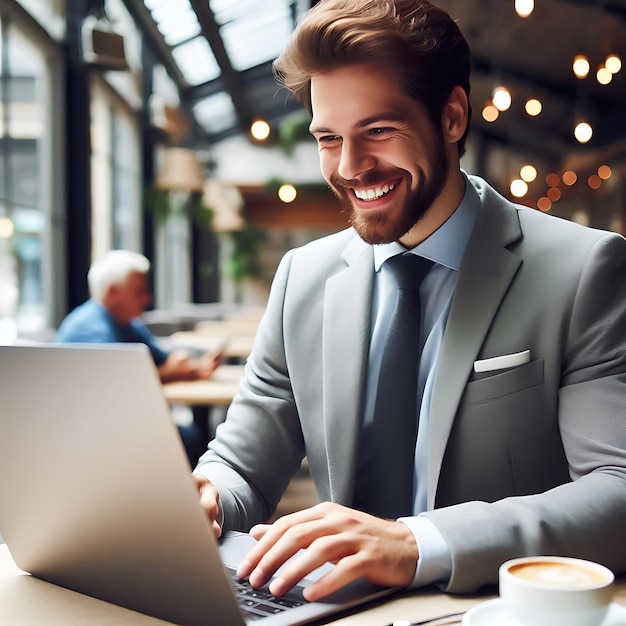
{"points": [[378, 131], [327, 138]]}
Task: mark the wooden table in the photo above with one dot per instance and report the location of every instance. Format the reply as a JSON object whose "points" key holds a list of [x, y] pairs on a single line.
{"points": [[25, 600], [219, 390], [239, 347]]}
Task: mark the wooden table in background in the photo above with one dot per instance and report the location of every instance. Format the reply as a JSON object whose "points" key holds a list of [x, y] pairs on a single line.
{"points": [[219, 390], [238, 348]]}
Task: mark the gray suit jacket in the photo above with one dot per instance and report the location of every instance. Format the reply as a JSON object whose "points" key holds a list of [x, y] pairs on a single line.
{"points": [[530, 460]]}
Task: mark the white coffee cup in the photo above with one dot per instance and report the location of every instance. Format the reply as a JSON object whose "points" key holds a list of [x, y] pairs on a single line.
{"points": [[549, 590]]}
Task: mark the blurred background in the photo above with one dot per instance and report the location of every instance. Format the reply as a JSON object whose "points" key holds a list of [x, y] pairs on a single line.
{"points": [[156, 126]]}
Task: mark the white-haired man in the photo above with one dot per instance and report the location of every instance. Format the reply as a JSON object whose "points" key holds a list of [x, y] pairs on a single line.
{"points": [[120, 293]]}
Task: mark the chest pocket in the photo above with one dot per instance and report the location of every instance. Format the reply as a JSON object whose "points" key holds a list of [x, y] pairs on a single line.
{"points": [[492, 385]]}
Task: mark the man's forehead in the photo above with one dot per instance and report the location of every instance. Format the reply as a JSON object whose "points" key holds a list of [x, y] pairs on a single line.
{"points": [[358, 98]]}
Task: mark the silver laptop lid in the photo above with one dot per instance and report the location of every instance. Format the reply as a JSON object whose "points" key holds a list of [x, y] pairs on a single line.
{"points": [[95, 489]]}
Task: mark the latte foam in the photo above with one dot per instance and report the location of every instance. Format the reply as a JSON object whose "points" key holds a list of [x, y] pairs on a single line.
{"points": [[560, 575]]}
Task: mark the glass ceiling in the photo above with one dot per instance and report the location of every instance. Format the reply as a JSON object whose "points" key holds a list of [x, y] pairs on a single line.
{"points": [[253, 32]]}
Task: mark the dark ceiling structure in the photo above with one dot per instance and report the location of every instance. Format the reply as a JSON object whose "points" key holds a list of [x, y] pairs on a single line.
{"points": [[531, 56]]}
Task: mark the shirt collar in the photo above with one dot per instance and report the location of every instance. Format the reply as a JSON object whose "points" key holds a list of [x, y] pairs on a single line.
{"points": [[447, 244]]}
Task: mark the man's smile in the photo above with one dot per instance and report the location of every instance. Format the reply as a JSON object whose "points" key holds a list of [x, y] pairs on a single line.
{"points": [[376, 192]]}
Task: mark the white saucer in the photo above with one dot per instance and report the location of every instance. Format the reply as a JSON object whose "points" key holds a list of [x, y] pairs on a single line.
{"points": [[491, 613]]}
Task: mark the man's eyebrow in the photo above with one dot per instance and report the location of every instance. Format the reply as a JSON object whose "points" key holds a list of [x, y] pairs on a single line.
{"points": [[368, 121], [381, 117], [319, 129]]}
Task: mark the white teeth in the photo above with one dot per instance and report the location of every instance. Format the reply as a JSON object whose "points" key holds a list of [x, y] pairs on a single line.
{"points": [[372, 193]]}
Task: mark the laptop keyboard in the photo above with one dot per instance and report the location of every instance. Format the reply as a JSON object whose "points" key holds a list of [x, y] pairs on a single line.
{"points": [[258, 603]]}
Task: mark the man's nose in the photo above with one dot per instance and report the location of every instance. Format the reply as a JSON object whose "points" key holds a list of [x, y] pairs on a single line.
{"points": [[355, 160]]}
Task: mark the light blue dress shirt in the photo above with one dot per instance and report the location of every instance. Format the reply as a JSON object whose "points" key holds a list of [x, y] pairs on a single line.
{"points": [[446, 247]]}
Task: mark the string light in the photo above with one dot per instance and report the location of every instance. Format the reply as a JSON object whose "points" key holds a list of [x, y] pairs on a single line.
{"points": [[260, 130], [569, 178], [544, 204], [603, 76], [518, 188], [581, 66], [613, 63], [554, 194], [594, 181], [501, 98], [287, 193], [553, 180], [528, 173], [490, 113], [583, 132], [533, 107], [524, 7]]}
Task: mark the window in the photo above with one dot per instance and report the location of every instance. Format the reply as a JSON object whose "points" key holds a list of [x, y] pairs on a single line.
{"points": [[115, 173], [26, 194]]}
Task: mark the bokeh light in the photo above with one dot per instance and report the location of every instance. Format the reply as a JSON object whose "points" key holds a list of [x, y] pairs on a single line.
{"points": [[544, 204], [501, 98], [583, 132], [490, 113], [533, 107], [569, 178], [594, 181], [287, 193], [581, 66], [553, 180], [260, 130], [518, 188], [528, 173]]}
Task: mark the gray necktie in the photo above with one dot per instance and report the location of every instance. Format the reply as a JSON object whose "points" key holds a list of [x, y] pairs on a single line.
{"points": [[390, 438]]}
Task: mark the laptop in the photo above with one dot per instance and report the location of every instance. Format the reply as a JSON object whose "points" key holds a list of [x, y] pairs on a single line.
{"points": [[96, 493]]}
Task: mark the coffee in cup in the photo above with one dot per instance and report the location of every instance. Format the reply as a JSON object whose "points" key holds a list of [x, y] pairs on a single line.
{"points": [[546, 590]]}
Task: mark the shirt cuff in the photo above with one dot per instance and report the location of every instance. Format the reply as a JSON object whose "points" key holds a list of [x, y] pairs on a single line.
{"points": [[435, 562]]}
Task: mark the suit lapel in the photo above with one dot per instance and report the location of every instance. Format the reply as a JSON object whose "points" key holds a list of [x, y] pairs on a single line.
{"points": [[486, 273], [346, 337]]}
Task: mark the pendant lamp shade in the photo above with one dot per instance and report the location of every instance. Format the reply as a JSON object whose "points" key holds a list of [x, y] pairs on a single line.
{"points": [[181, 171]]}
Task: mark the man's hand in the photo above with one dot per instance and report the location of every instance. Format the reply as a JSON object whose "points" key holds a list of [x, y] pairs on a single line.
{"points": [[210, 501], [180, 366], [208, 363], [384, 552]]}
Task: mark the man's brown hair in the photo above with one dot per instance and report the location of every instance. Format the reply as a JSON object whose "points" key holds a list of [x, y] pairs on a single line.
{"points": [[413, 36]]}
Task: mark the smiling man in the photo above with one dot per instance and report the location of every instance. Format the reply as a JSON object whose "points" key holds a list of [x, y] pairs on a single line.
{"points": [[387, 164], [515, 424]]}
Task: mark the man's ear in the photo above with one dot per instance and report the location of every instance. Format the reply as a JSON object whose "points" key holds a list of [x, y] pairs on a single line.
{"points": [[110, 294], [455, 112]]}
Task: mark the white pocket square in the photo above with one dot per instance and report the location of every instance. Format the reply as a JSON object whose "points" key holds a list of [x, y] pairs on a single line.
{"points": [[502, 362]]}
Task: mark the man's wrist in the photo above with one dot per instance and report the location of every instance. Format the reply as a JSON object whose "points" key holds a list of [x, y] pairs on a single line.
{"points": [[435, 562]]}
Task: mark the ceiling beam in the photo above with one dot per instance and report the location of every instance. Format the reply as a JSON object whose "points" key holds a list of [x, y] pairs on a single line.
{"points": [[229, 77], [163, 52]]}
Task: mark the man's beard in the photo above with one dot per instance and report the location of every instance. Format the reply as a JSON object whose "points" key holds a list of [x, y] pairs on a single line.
{"points": [[381, 225]]}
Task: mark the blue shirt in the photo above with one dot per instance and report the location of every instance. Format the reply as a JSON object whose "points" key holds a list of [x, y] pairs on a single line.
{"points": [[90, 322], [446, 247]]}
